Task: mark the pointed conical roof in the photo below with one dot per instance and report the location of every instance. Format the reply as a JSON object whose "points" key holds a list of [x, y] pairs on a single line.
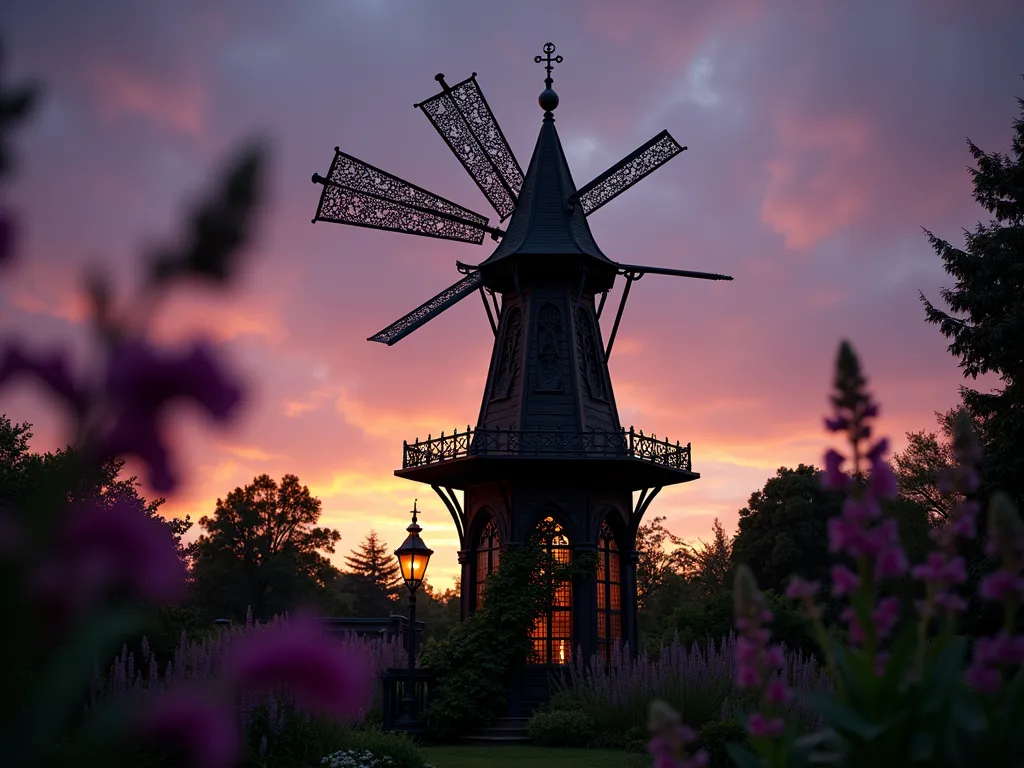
{"points": [[542, 223]]}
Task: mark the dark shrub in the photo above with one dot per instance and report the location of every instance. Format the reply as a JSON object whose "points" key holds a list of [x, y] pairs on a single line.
{"points": [[714, 736], [561, 729]]}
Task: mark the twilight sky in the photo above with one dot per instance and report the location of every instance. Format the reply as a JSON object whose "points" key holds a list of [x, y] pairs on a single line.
{"points": [[822, 136]]}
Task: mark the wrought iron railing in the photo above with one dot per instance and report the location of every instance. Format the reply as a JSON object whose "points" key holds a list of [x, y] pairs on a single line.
{"points": [[546, 443]]}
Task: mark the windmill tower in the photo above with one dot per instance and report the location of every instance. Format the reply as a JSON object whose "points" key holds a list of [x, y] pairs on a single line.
{"points": [[547, 442]]}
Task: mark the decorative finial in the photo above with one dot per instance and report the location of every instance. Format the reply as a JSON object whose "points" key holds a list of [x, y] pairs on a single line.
{"points": [[414, 510], [548, 99]]}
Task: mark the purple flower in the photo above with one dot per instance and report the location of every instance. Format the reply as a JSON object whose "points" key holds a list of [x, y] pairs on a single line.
{"points": [[835, 479], [102, 550], [52, 370], [1001, 586], [198, 724], [799, 589], [844, 581], [891, 563], [314, 668], [837, 424], [886, 615], [142, 381], [761, 726]]}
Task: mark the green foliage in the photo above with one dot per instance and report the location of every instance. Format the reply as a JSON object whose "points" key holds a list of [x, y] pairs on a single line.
{"points": [[985, 320], [302, 743], [697, 621], [713, 738], [476, 661], [561, 728], [262, 549], [782, 530]]}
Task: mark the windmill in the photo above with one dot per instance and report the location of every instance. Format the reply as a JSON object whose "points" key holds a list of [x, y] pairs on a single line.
{"points": [[362, 195], [547, 444]]}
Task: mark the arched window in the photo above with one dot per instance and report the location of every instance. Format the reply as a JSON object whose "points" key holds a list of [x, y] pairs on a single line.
{"points": [[609, 592], [552, 632], [488, 552]]}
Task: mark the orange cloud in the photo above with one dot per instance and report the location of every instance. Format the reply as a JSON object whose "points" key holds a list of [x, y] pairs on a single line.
{"points": [[179, 105], [815, 188]]}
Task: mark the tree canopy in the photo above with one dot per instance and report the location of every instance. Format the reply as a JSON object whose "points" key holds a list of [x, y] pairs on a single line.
{"points": [[985, 317], [262, 549], [782, 530]]}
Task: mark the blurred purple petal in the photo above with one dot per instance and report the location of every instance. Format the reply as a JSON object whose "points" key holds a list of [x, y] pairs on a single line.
{"points": [[196, 724], [8, 236], [142, 381], [102, 550], [52, 370], [315, 669], [137, 435], [146, 379]]}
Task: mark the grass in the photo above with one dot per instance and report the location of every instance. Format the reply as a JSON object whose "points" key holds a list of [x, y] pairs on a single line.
{"points": [[531, 757]]}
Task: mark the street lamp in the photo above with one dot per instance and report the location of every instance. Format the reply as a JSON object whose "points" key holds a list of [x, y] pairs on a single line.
{"points": [[413, 558]]}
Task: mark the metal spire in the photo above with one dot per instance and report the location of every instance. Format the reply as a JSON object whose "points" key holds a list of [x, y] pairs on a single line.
{"points": [[548, 98]]}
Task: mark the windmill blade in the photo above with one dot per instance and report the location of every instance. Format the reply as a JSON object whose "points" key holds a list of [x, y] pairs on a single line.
{"points": [[362, 195], [465, 121], [453, 294], [627, 172], [627, 269]]}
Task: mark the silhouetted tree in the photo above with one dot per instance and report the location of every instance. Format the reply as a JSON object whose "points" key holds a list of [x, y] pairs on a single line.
{"points": [[919, 467], [782, 530], [655, 563], [261, 548], [985, 318], [708, 567], [375, 562]]}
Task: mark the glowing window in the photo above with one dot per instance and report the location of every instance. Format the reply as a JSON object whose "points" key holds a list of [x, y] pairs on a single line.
{"points": [[609, 592], [552, 632], [488, 553]]}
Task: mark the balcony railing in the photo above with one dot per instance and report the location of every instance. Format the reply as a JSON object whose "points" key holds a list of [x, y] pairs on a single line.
{"points": [[546, 443]]}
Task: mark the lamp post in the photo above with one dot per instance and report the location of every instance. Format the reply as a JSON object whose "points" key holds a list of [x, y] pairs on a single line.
{"points": [[413, 558]]}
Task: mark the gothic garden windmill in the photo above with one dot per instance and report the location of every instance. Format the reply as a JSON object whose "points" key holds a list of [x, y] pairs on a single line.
{"points": [[547, 441]]}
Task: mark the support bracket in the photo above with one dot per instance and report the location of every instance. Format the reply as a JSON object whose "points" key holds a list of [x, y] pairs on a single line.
{"points": [[451, 501]]}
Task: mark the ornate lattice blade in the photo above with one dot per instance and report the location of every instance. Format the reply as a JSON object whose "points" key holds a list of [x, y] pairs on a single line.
{"points": [[465, 121], [627, 172], [453, 294], [363, 195]]}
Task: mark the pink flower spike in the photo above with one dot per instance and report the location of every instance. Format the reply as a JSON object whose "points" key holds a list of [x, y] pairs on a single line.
{"points": [[761, 727], [837, 424], [777, 693], [886, 615], [844, 581], [891, 563], [835, 479], [799, 589], [999, 586], [883, 481], [201, 726], [877, 452], [313, 667]]}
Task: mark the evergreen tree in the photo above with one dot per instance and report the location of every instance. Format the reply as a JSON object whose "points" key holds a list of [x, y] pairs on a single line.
{"points": [[986, 310], [376, 563]]}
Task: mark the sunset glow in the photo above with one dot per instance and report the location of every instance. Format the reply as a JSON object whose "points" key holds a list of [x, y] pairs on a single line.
{"points": [[820, 140]]}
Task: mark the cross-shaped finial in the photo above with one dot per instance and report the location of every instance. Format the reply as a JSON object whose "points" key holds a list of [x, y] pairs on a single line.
{"points": [[414, 513], [549, 48]]}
